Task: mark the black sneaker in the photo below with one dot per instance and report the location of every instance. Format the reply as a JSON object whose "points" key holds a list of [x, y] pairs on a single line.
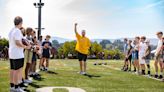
{"points": [[126, 69], [100, 64], [148, 72], [160, 77], [156, 76], [134, 70], [22, 85], [143, 72], [95, 64]]}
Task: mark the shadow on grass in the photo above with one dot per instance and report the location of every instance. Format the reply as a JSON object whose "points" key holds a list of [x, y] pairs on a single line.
{"points": [[51, 72], [26, 90], [36, 86], [91, 76], [39, 78]]}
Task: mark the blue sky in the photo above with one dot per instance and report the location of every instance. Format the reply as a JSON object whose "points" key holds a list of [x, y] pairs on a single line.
{"points": [[100, 18]]}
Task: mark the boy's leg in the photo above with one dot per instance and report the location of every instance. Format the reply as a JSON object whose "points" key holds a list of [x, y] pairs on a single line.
{"points": [[85, 66], [156, 66], [161, 69], [27, 70], [16, 78], [47, 62], [143, 69], [81, 66], [12, 74]]}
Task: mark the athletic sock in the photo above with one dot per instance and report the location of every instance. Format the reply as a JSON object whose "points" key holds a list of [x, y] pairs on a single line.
{"points": [[143, 71], [16, 86], [134, 69], [12, 85], [156, 73]]}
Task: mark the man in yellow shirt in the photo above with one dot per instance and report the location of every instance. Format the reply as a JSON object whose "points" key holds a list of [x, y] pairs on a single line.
{"points": [[82, 47]]}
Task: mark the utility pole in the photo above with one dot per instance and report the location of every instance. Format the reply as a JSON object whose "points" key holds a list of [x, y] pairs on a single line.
{"points": [[39, 5]]}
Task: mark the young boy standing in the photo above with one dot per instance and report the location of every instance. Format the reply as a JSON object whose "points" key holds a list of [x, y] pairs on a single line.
{"points": [[147, 55], [129, 56], [46, 53], [158, 55], [142, 49]]}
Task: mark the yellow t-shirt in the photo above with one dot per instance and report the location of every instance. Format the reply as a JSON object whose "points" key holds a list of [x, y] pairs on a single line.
{"points": [[83, 44]]}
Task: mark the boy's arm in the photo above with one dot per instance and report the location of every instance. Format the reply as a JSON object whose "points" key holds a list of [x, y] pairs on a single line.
{"points": [[75, 29], [77, 34]]}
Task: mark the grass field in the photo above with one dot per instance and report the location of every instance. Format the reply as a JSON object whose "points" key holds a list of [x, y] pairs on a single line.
{"points": [[100, 78]]}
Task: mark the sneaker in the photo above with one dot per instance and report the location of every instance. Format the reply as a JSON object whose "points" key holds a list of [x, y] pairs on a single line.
{"points": [[46, 69], [134, 70], [12, 89], [95, 64], [148, 72], [156, 76], [28, 81], [41, 69], [23, 85], [19, 90], [126, 69], [79, 72], [160, 77], [83, 73]]}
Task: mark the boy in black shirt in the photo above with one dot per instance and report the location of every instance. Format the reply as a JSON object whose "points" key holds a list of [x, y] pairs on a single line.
{"points": [[46, 53]]}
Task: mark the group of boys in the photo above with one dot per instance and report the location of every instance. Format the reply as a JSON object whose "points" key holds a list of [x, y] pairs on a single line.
{"points": [[138, 53], [24, 47]]}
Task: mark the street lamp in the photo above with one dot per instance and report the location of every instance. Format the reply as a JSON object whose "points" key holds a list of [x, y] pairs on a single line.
{"points": [[39, 6]]}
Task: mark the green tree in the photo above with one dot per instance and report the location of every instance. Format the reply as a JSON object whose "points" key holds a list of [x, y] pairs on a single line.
{"points": [[95, 48], [67, 48], [103, 43], [3, 42], [55, 44]]}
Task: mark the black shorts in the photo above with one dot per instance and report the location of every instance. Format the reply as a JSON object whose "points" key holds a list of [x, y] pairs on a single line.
{"points": [[16, 64], [46, 53], [82, 57], [129, 58], [34, 58]]}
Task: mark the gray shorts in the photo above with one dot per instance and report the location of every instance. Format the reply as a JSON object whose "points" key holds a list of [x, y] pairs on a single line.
{"points": [[147, 61]]}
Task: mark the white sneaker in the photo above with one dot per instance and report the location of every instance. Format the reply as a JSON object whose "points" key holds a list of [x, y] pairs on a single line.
{"points": [[83, 73], [28, 81], [12, 89], [19, 90]]}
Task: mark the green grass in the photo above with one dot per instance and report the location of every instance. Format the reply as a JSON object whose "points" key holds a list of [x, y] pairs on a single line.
{"points": [[105, 79], [60, 90]]}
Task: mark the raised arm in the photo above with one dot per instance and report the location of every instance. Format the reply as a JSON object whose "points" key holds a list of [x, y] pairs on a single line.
{"points": [[76, 28]]}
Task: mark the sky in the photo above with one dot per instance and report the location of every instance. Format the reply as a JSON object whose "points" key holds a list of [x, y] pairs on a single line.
{"points": [[102, 19]]}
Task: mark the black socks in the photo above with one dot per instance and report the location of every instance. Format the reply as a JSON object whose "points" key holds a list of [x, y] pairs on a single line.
{"points": [[143, 72], [12, 85]]}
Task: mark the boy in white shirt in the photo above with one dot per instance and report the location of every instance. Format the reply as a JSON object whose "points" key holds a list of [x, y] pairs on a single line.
{"points": [[16, 55], [158, 55], [142, 50]]}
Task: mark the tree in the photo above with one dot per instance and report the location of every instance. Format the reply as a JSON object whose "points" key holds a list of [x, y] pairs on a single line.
{"points": [[67, 48], [118, 44], [95, 48], [103, 43], [55, 44], [3, 42]]}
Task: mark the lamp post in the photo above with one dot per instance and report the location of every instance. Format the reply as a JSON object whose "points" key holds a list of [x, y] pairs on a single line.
{"points": [[39, 6]]}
